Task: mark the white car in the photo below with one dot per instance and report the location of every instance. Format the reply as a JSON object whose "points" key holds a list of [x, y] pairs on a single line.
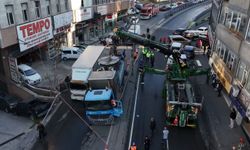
{"points": [[173, 5], [134, 20], [28, 74], [70, 52]]}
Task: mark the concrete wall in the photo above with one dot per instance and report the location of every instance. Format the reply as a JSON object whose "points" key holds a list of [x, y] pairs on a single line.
{"points": [[228, 38], [241, 4], [245, 52]]}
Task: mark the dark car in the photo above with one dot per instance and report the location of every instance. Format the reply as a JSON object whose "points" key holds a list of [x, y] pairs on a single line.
{"points": [[164, 8], [189, 51], [179, 31], [34, 108], [8, 103]]}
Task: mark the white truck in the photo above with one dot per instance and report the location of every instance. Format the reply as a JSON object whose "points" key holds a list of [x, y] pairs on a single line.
{"points": [[81, 70], [201, 31]]}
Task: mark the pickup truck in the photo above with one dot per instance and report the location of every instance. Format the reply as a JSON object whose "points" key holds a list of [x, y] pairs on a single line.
{"points": [[195, 33]]}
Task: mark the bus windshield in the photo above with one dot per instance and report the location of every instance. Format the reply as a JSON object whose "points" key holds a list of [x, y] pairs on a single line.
{"points": [[98, 105]]}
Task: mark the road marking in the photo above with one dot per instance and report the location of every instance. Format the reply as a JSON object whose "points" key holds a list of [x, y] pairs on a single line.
{"points": [[161, 21], [133, 118], [110, 131], [63, 116]]}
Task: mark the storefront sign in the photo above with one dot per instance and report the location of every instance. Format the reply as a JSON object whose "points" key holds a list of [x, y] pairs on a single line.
{"points": [[34, 33], [102, 9], [83, 14], [62, 22], [222, 72], [13, 69]]}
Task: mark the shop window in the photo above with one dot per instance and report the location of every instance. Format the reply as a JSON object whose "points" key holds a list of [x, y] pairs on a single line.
{"points": [[66, 4], [25, 11], [38, 9], [222, 52], [225, 55], [48, 7], [243, 24], [10, 14], [228, 19], [58, 7]]}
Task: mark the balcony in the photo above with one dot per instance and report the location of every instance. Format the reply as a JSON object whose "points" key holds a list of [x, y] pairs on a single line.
{"points": [[112, 7]]}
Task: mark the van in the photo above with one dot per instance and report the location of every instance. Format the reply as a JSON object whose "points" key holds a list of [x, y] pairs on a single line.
{"points": [[70, 53], [176, 46], [179, 38], [189, 51]]}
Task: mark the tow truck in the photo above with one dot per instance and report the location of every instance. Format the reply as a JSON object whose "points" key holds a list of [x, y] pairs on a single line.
{"points": [[182, 107]]}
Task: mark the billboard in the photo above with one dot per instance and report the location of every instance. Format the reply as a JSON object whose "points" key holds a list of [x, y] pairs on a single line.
{"points": [[34, 33]]}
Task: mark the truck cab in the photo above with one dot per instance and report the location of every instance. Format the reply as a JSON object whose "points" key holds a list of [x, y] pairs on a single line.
{"points": [[101, 107]]}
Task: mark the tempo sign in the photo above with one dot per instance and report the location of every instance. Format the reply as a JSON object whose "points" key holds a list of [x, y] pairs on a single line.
{"points": [[34, 33]]}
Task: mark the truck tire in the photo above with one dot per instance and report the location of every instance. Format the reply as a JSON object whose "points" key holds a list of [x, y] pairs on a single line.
{"points": [[64, 58]]}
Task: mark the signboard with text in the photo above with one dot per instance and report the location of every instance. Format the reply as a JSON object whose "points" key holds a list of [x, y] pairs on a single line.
{"points": [[62, 22], [83, 14], [34, 33], [102, 9]]}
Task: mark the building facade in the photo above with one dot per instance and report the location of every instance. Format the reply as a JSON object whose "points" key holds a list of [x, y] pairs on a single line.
{"points": [[230, 33], [34, 30]]}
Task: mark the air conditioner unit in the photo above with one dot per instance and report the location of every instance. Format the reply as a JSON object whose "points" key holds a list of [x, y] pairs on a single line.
{"points": [[235, 91]]}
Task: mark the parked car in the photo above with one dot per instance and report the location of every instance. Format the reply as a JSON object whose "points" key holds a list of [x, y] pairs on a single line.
{"points": [[203, 30], [176, 46], [134, 20], [70, 52], [179, 31], [133, 11], [80, 46], [34, 108], [189, 51], [8, 103], [164, 8], [172, 5], [180, 39], [29, 75], [191, 34], [180, 3]]}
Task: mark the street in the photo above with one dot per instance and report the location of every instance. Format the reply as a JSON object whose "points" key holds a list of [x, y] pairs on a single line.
{"points": [[67, 131], [150, 103]]}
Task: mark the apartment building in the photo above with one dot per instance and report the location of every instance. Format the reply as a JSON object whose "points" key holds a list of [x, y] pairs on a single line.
{"points": [[230, 37], [34, 30]]}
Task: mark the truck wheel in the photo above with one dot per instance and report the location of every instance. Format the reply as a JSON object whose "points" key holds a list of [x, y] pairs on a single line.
{"points": [[64, 58]]}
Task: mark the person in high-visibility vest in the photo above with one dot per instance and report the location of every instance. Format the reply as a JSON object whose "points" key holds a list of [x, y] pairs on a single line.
{"points": [[133, 147], [144, 52], [148, 55]]}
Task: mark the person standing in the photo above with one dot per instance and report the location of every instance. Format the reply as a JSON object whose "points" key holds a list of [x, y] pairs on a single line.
{"points": [[146, 143], [219, 88], [165, 133], [141, 70], [152, 125], [133, 147], [232, 118], [41, 130], [152, 58]]}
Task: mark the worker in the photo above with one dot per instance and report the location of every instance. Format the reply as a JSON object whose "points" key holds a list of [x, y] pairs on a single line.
{"points": [[152, 59], [133, 147], [144, 52], [176, 121], [148, 55]]}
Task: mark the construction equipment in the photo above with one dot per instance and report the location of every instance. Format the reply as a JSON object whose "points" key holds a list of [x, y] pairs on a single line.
{"points": [[182, 105]]}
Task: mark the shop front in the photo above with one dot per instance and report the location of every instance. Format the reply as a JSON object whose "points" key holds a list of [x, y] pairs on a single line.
{"points": [[222, 72], [83, 30], [33, 40], [62, 25]]}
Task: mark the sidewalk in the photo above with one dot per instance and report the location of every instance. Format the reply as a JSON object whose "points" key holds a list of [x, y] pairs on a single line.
{"points": [[217, 133]]}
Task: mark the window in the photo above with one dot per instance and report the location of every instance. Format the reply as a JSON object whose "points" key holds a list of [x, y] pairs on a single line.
{"points": [[37, 9], [242, 73], [66, 4], [48, 7], [9, 14], [25, 11], [58, 8]]}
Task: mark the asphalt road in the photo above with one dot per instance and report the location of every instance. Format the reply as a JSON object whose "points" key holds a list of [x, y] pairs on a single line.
{"points": [[151, 104], [67, 131]]}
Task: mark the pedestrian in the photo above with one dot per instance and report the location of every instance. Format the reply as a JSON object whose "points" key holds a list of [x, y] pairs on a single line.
{"points": [[135, 55], [152, 125], [208, 53], [219, 88], [199, 43], [146, 143], [133, 147], [123, 56], [141, 70], [144, 52], [67, 80], [213, 77], [152, 59], [165, 133], [232, 118], [41, 130], [148, 55]]}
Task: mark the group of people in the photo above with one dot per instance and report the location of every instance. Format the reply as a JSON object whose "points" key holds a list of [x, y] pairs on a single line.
{"points": [[216, 84], [147, 140]]}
